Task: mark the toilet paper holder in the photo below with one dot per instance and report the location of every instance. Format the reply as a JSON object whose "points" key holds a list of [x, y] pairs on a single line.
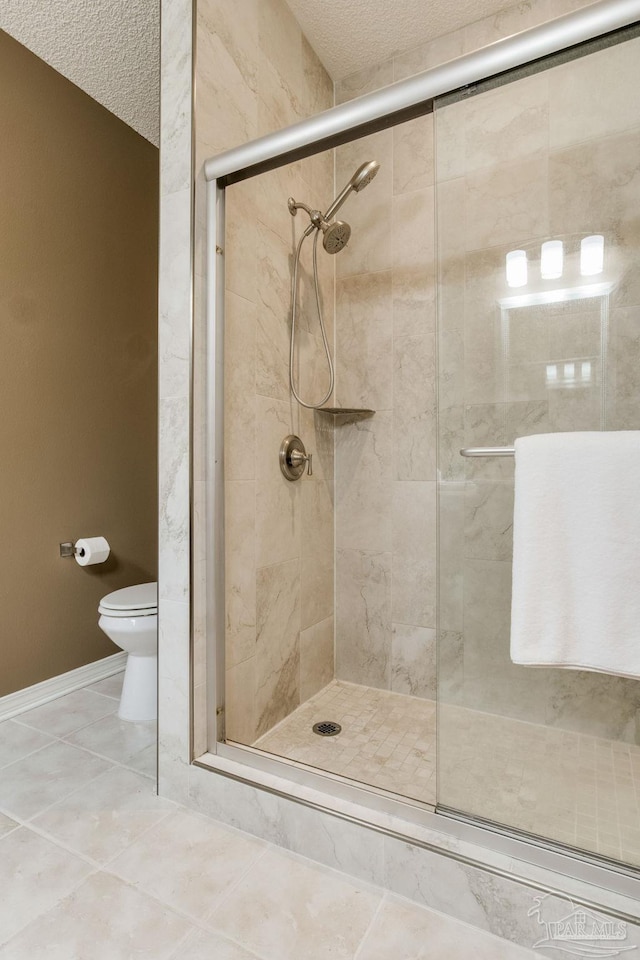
{"points": [[67, 549], [86, 551]]}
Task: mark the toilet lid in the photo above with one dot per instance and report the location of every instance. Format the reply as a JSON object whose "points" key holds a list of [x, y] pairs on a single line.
{"points": [[143, 596]]}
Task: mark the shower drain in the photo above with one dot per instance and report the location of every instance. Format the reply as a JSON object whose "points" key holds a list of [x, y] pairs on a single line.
{"points": [[326, 728]]}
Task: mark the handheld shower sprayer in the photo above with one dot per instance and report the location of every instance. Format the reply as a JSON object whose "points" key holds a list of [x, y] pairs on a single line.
{"points": [[335, 236], [361, 178]]}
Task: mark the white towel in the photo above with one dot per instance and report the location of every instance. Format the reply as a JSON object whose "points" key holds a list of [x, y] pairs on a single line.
{"points": [[576, 552]]}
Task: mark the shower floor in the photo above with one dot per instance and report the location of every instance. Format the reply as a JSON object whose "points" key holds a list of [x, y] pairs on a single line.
{"points": [[388, 740], [577, 789]]}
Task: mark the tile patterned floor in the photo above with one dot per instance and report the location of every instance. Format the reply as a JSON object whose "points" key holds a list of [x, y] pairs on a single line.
{"points": [[388, 740], [94, 866], [577, 789]]}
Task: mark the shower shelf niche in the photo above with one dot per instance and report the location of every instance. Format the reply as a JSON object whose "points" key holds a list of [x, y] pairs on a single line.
{"points": [[346, 414]]}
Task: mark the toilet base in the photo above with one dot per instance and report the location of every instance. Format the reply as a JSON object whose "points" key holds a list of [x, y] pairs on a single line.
{"points": [[139, 700]]}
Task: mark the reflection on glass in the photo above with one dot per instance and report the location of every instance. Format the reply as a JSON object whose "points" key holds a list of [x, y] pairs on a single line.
{"points": [[517, 268], [567, 375], [592, 256], [554, 753], [551, 259]]}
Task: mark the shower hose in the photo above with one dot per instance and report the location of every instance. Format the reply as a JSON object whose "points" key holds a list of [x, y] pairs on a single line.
{"points": [[294, 316]]}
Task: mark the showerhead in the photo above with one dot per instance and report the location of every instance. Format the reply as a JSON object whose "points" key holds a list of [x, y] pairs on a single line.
{"points": [[335, 235], [363, 176]]}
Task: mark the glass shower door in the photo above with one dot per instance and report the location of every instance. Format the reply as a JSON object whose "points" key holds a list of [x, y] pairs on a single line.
{"points": [[330, 578], [538, 212]]}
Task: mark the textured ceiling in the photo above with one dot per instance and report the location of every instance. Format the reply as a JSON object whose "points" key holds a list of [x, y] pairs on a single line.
{"points": [[350, 34], [108, 48]]}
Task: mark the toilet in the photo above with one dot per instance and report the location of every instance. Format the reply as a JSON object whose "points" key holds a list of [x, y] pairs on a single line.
{"points": [[129, 617]]}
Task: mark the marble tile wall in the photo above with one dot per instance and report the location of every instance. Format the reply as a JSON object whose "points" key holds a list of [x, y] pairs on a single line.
{"points": [[385, 352], [279, 535], [386, 464], [514, 169], [174, 390]]}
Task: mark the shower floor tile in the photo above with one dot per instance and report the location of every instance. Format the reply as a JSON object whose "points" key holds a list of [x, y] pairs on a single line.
{"points": [[388, 740], [581, 790]]}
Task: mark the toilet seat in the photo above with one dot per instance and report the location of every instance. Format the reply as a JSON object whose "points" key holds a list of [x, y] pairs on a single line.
{"points": [[145, 612], [140, 600]]}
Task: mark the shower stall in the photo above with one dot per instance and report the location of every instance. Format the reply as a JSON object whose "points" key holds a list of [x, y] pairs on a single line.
{"points": [[362, 412]]}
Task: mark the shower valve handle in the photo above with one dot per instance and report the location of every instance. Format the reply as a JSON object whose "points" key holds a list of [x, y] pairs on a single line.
{"points": [[297, 459], [293, 457]]}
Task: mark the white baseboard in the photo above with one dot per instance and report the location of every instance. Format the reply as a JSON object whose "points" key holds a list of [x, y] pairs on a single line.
{"points": [[39, 693]]}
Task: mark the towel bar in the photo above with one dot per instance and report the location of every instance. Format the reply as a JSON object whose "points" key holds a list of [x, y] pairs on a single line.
{"points": [[487, 452]]}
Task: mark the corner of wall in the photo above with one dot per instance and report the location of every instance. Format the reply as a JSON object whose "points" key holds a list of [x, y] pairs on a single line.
{"points": [[175, 307]]}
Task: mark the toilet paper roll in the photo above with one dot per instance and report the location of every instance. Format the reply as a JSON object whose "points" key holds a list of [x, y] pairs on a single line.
{"points": [[91, 550]]}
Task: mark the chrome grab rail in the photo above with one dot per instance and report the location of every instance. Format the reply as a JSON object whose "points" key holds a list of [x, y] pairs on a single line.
{"points": [[488, 452]]}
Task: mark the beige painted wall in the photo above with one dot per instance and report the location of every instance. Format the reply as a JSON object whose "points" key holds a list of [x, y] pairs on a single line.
{"points": [[78, 309]]}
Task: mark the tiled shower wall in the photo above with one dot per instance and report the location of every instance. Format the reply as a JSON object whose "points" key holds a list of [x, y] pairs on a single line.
{"points": [[553, 155], [256, 73], [230, 111], [279, 537], [385, 359], [385, 529], [386, 464]]}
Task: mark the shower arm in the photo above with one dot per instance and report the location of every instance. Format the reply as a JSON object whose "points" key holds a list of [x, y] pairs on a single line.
{"points": [[315, 216]]}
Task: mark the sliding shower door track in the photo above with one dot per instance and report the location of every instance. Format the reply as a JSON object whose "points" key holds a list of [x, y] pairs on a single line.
{"points": [[353, 791], [540, 866], [544, 843]]}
